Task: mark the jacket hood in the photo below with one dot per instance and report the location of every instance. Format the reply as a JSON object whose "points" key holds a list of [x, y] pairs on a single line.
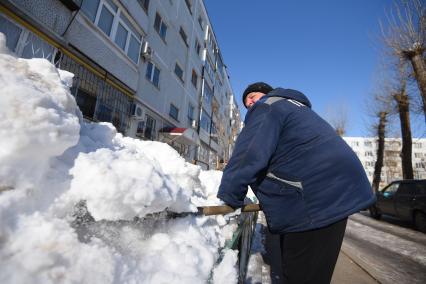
{"points": [[290, 94]]}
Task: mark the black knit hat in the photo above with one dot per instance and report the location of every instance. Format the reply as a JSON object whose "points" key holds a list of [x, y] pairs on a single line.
{"points": [[257, 87]]}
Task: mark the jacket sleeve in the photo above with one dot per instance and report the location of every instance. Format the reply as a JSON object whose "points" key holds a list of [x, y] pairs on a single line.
{"points": [[252, 152]]}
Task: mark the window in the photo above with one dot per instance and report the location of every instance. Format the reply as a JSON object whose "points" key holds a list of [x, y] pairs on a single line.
{"points": [[369, 154], [121, 36], [105, 19], [368, 143], [134, 49], [174, 112], [153, 74], [183, 36], [201, 22], [36, 47], [189, 5], [23, 42], [419, 165], [160, 26], [114, 24], [210, 40], [209, 68], [128, 39], [198, 47], [213, 133], [220, 66], [150, 127], [86, 102], [418, 155], [140, 129], [194, 78], [417, 145], [190, 114], [90, 8], [369, 164], [208, 96], [11, 31], [407, 189], [205, 122], [390, 190], [179, 72], [355, 143], [144, 4]]}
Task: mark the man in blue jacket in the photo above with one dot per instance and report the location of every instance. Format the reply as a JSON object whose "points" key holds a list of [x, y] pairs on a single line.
{"points": [[307, 179]]}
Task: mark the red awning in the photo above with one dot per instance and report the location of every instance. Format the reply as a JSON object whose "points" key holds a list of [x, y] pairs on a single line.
{"points": [[186, 136]]}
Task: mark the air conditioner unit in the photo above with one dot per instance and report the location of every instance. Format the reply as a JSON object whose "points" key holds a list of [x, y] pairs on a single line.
{"points": [[136, 111], [146, 51]]}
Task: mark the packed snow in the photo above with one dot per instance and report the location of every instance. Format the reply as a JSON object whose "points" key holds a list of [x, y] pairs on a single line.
{"points": [[79, 202]]}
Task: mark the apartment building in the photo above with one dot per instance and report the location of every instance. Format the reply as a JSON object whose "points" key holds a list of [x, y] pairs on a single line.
{"points": [[151, 68], [366, 150]]}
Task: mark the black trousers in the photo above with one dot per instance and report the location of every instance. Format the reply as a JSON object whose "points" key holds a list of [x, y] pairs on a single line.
{"points": [[310, 256]]}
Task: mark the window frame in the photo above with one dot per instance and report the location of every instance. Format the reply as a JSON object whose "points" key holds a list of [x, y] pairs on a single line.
{"points": [[200, 21], [183, 36], [189, 6], [152, 75], [101, 4], [172, 106], [119, 18], [142, 3], [181, 78], [161, 25], [152, 132], [195, 84], [197, 47], [190, 114]]}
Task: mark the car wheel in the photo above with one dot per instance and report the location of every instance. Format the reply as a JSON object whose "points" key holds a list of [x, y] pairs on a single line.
{"points": [[420, 221], [374, 212]]}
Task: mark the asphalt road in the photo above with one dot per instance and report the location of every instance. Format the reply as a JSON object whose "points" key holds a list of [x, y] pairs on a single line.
{"points": [[391, 251]]}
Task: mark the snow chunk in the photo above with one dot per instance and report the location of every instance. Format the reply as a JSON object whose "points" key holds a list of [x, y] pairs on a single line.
{"points": [[50, 160], [38, 119], [226, 271]]}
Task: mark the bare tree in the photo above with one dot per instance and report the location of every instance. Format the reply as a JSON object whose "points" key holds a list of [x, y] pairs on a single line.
{"points": [[380, 150], [406, 36], [403, 105], [338, 118], [379, 107]]}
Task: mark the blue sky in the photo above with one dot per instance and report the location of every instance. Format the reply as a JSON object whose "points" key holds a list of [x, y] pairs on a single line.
{"points": [[330, 50]]}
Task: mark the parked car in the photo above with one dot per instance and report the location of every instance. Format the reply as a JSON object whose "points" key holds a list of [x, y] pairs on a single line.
{"points": [[405, 199]]}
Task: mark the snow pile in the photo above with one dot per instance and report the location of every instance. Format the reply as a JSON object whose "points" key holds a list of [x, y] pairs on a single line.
{"points": [[50, 161]]}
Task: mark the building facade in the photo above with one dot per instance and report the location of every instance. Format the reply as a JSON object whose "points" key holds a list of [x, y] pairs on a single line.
{"points": [[366, 150], [151, 68]]}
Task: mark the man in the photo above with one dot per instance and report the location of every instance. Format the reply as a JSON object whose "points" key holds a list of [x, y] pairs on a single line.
{"points": [[307, 179]]}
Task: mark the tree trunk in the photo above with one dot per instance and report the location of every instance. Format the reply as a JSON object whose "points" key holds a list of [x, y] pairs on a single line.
{"points": [[380, 151], [419, 67], [404, 117]]}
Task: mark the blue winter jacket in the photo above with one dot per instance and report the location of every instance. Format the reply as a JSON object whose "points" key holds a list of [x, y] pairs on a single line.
{"points": [[304, 175]]}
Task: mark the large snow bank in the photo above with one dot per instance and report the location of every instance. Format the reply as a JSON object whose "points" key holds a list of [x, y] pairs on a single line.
{"points": [[50, 160]]}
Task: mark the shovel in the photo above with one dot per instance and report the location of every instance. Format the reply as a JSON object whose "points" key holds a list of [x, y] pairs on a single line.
{"points": [[225, 209], [82, 215]]}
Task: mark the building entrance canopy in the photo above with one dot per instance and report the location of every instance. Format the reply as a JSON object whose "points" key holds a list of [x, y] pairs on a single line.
{"points": [[187, 136]]}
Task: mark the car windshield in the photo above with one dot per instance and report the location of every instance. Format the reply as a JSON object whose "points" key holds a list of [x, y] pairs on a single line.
{"points": [[390, 190]]}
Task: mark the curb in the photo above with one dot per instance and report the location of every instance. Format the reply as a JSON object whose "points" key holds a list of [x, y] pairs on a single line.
{"points": [[359, 262]]}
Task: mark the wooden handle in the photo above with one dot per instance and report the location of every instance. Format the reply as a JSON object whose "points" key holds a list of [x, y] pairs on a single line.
{"points": [[225, 209]]}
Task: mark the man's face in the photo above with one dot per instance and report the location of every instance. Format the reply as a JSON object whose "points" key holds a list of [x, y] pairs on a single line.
{"points": [[252, 98]]}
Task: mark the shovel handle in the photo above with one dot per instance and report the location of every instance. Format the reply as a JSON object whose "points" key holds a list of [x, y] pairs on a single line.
{"points": [[225, 209]]}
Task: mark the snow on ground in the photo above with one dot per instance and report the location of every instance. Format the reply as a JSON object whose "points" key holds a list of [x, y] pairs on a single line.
{"points": [[50, 160], [361, 226]]}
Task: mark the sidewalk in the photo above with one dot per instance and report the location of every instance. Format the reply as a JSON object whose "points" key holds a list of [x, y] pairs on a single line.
{"points": [[265, 261]]}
